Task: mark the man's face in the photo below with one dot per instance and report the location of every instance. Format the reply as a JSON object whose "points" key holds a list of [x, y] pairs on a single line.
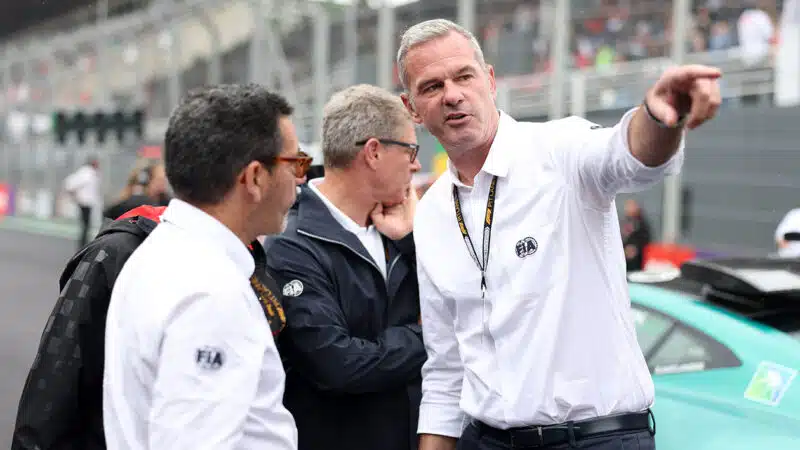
{"points": [[450, 93], [393, 174], [282, 193]]}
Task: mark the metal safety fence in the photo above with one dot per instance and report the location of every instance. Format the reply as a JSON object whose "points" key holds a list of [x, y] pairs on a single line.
{"points": [[551, 57]]}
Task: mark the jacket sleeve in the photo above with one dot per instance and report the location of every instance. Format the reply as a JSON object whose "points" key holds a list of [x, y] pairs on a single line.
{"points": [[49, 406], [317, 336], [407, 247]]}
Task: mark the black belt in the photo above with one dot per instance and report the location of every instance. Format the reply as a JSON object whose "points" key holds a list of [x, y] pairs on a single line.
{"points": [[547, 435]]}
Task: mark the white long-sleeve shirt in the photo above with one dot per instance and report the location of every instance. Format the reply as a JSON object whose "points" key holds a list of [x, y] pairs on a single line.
{"points": [[190, 361], [84, 184], [554, 339]]}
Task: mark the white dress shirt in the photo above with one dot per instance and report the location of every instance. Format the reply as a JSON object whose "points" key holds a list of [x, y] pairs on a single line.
{"points": [[190, 361], [369, 236], [755, 33], [554, 340], [84, 183]]}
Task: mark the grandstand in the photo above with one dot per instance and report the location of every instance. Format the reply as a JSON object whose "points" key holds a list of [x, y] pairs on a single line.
{"points": [[81, 54], [206, 41]]}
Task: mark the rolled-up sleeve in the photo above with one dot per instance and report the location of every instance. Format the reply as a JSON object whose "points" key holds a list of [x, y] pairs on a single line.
{"points": [[443, 371], [600, 161], [208, 373]]}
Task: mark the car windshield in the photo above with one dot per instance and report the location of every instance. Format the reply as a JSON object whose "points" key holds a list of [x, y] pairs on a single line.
{"points": [[789, 323], [786, 321]]}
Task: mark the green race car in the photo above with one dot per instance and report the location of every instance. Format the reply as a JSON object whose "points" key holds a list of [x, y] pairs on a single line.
{"points": [[722, 340]]}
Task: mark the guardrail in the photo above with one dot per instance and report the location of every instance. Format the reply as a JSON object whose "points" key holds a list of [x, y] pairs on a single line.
{"points": [[616, 86], [623, 85]]}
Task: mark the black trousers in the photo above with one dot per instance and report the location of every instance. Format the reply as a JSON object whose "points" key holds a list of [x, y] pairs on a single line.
{"points": [[86, 218], [471, 439]]}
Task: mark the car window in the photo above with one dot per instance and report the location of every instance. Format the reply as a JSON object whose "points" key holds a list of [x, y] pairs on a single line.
{"points": [[681, 352], [670, 346], [688, 350], [650, 327]]}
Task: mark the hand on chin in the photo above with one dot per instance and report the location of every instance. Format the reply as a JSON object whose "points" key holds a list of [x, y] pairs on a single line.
{"points": [[392, 203]]}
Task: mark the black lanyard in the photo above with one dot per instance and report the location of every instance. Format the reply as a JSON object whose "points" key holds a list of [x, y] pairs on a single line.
{"points": [[487, 230]]}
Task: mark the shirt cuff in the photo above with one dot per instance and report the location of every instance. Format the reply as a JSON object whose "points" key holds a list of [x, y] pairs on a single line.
{"points": [[634, 174], [670, 167], [441, 420]]}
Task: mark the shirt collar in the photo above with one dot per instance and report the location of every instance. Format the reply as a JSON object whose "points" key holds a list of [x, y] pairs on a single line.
{"points": [[498, 161], [196, 221], [344, 220]]}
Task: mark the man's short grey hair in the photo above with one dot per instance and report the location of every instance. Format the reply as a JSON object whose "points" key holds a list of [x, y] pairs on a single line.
{"points": [[358, 113], [428, 31]]}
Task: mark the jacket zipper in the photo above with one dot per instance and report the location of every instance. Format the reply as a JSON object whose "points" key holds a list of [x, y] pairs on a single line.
{"points": [[332, 241], [389, 270], [370, 261]]}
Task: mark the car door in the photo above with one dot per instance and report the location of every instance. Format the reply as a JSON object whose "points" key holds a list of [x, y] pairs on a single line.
{"points": [[689, 370]]}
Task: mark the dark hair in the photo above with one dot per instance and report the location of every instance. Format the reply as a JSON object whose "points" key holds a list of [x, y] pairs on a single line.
{"points": [[215, 132]]}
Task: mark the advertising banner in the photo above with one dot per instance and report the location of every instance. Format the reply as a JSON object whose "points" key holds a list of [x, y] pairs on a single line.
{"points": [[6, 200]]}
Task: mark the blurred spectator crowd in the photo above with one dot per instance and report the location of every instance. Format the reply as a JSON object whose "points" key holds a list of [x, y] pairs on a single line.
{"points": [[605, 32], [516, 34]]}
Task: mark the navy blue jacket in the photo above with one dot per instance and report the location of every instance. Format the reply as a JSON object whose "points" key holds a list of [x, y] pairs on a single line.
{"points": [[352, 347]]}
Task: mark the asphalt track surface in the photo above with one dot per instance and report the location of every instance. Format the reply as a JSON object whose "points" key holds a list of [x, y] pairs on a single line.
{"points": [[30, 265]]}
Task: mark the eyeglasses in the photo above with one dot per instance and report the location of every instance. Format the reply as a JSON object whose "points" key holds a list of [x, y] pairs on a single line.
{"points": [[413, 147], [301, 162]]}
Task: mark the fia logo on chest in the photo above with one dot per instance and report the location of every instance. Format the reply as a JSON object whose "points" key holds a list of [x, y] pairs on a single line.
{"points": [[526, 247]]}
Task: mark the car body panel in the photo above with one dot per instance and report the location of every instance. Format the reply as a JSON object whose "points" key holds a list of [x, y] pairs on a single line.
{"points": [[707, 408]]}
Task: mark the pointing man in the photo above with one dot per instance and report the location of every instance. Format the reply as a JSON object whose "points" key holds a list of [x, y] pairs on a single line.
{"points": [[527, 327]]}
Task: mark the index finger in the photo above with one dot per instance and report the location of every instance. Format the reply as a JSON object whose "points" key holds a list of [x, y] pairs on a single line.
{"points": [[693, 71]]}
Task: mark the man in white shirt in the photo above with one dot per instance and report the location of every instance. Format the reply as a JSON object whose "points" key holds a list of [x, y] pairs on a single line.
{"points": [[353, 344], [527, 327], [756, 33], [190, 361], [83, 186]]}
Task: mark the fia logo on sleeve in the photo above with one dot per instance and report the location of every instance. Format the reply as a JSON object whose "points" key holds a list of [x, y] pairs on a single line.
{"points": [[210, 358]]}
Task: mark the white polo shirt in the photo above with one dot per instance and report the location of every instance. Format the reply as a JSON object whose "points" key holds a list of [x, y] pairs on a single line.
{"points": [[190, 361], [554, 339]]}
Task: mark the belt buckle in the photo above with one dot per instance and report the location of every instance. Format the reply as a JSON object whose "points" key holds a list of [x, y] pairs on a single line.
{"points": [[538, 431]]}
